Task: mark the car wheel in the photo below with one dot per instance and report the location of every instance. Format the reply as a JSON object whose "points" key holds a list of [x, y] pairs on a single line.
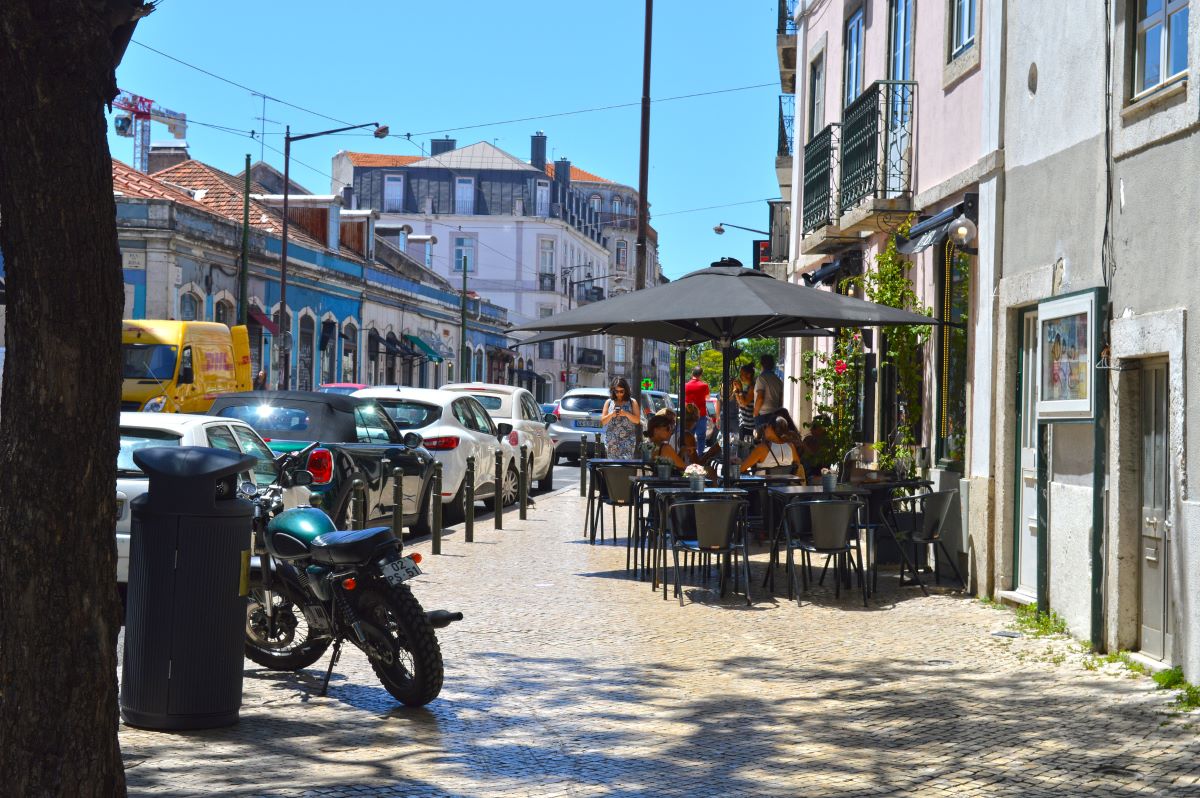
{"points": [[424, 523], [453, 511], [546, 483], [508, 489]]}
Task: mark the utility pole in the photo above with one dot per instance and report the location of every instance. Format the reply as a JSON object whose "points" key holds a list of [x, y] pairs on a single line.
{"points": [[462, 354], [643, 220], [285, 320], [244, 276]]}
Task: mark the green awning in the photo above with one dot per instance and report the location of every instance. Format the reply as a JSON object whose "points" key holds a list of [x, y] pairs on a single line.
{"points": [[427, 351]]}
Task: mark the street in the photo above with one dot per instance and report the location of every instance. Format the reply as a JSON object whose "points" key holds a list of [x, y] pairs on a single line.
{"points": [[568, 677]]}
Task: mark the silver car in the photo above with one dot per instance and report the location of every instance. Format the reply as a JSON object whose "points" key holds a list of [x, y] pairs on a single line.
{"points": [[579, 415]]}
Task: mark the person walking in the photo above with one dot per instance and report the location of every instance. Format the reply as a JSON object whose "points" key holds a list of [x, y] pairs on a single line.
{"points": [[695, 392], [621, 420], [768, 393]]}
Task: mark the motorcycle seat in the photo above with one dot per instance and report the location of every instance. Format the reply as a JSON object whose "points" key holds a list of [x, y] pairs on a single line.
{"points": [[350, 547]]}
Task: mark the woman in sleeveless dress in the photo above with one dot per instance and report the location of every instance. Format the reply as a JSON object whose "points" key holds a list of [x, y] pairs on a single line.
{"points": [[777, 453], [621, 420]]}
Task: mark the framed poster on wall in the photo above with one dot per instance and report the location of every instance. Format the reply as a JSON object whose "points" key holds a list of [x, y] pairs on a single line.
{"points": [[1065, 356]]}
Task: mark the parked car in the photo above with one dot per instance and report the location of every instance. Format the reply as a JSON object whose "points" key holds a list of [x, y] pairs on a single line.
{"points": [[146, 430], [548, 408], [516, 406], [578, 415], [454, 426], [357, 437], [657, 400], [342, 387]]}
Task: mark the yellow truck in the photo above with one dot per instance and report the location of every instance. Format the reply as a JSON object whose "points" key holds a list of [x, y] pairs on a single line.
{"points": [[181, 366]]}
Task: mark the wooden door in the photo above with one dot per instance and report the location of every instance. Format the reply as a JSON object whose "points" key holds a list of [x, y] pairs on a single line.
{"points": [[1155, 549], [1026, 531]]}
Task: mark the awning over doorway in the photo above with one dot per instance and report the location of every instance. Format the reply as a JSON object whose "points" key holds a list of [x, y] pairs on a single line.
{"points": [[262, 320], [423, 349], [397, 348]]}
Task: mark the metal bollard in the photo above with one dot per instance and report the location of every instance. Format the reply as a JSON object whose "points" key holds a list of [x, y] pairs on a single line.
{"points": [[523, 484], [499, 500], [437, 508], [583, 467], [469, 500], [359, 487], [596, 446], [398, 502]]}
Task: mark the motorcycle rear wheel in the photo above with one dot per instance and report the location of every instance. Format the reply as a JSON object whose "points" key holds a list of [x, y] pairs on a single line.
{"points": [[408, 660], [284, 652]]}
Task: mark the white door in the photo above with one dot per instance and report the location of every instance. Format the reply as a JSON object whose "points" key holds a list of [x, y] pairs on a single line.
{"points": [[1026, 531], [464, 195], [1155, 549]]}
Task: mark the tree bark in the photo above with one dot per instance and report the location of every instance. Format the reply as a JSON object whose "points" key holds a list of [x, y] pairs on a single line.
{"points": [[59, 608]]}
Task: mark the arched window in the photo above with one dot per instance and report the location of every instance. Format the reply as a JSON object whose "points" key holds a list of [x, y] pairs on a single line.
{"points": [[349, 353], [189, 307], [223, 313], [304, 371], [597, 203], [616, 209]]}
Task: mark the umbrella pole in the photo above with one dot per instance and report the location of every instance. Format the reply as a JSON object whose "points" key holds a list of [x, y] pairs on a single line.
{"points": [[681, 361], [726, 360]]}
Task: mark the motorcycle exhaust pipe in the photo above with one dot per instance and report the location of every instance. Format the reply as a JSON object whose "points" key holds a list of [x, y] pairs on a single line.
{"points": [[440, 619]]}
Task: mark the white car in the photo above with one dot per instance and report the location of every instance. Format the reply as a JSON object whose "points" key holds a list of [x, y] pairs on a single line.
{"points": [[455, 427], [516, 406], [146, 430]]}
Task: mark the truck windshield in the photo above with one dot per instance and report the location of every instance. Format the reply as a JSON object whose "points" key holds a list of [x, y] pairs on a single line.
{"points": [[148, 361]]}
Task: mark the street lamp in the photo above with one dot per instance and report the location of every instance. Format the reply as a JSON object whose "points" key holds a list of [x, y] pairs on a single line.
{"points": [[381, 131], [719, 229]]}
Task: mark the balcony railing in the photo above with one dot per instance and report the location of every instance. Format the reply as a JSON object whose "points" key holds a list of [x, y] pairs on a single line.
{"points": [[877, 144], [787, 17], [585, 294], [590, 358], [787, 123], [546, 282], [820, 178]]}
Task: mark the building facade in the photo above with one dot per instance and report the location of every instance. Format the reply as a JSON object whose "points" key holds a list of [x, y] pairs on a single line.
{"points": [[534, 237]]}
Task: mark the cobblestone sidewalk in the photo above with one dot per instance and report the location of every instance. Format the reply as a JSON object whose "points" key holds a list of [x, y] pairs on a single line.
{"points": [[569, 678]]}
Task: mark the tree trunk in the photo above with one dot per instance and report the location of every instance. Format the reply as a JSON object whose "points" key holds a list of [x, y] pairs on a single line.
{"points": [[59, 608]]}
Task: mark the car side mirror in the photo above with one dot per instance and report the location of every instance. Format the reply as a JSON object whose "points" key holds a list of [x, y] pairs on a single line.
{"points": [[302, 478], [503, 429], [550, 418]]}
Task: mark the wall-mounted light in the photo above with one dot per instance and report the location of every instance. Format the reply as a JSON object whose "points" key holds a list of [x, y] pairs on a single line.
{"points": [[962, 232]]}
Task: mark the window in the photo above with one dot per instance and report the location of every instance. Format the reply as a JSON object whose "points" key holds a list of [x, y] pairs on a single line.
{"points": [[223, 313], [546, 256], [546, 350], [543, 198], [1161, 42], [596, 202], [962, 26], [901, 40], [464, 253], [189, 307], [616, 208], [372, 425], [951, 356], [408, 414], [393, 194], [219, 437], [816, 96], [483, 422], [619, 350], [853, 68], [265, 470], [133, 439], [349, 354], [464, 195], [622, 255]]}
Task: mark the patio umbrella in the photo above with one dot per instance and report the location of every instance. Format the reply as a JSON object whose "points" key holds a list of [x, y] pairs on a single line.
{"points": [[723, 303]]}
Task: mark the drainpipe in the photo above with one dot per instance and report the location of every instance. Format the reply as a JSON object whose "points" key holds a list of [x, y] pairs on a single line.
{"points": [[797, 199]]}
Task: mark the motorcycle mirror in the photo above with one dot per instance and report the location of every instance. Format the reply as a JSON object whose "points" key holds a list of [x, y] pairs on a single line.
{"points": [[302, 478], [248, 490], [413, 440]]}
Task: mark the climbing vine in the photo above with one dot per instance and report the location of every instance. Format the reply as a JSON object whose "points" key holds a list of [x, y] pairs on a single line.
{"points": [[833, 379]]}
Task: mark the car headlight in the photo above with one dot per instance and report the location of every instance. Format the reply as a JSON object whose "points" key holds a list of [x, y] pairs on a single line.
{"points": [[156, 404]]}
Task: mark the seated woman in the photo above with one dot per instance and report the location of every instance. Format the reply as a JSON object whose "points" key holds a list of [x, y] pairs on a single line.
{"points": [[777, 453], [690, 451], [658, 431]]}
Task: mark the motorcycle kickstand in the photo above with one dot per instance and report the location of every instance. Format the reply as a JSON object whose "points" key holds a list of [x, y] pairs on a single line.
{"points": [[337, 652]]}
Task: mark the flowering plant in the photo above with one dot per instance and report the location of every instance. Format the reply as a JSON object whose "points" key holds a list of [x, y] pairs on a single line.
{"points": [[826, 471], [695, 470]]}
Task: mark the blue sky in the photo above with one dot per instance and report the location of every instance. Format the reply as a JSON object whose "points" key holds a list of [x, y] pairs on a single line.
{"points": [[424, 68]]}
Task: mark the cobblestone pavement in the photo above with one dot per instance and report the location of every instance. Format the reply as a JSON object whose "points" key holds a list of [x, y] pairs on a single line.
{"points": [[569, 678]]}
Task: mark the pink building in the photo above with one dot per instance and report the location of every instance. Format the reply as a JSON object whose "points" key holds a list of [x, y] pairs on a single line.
{"points": [[896, 121]]}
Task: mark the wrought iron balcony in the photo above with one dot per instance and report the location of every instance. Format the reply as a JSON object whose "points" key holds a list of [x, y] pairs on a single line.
{"points": [[587, 293], [590, 358], [877, 145], [821, 178], [787, 18], [546, 282], [787, 123]]}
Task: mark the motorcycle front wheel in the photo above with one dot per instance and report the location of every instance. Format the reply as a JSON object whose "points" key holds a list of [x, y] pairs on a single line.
{"points": [[291, 646], [404, 648]]}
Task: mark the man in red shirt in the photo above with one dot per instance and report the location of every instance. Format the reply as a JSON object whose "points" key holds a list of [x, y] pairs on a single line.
{"points": [[695, 392]]}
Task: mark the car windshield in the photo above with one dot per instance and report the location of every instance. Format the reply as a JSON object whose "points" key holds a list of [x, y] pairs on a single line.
{"points": [[134, 439], [148, 361], [488, 401], [585, 403], [269, 418], [409, 414]]}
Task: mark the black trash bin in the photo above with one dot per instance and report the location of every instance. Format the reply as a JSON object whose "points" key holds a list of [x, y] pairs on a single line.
{"points": [[189, 555]]}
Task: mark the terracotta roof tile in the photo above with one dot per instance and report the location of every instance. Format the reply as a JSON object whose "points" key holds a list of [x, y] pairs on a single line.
{"points": [[373, 159], [129, 182], [579, 174]]}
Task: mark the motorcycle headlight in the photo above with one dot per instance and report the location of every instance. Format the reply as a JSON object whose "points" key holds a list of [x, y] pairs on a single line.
{"points": [[156, 404]]}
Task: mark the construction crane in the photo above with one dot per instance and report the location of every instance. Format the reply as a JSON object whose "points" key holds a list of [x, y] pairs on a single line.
{"points": [[141, 112]]}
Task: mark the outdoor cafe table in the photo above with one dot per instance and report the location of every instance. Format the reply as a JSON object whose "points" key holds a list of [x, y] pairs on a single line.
{"points": [[786, 494], [593, 490], [665, 497]]}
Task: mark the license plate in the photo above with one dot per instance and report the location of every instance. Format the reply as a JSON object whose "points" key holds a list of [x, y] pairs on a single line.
{"points": [[400, 571], [587, 423]]}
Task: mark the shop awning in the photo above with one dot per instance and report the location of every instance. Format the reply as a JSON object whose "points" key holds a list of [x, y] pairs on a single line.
{"points": [[262, 320], [329, 331], [847, 265], [928, 232], [423, 349], [397, 348]]}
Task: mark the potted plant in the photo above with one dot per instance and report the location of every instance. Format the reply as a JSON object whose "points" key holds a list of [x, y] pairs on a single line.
{"points": [[695, 474], [663, 468], [829, 479]]}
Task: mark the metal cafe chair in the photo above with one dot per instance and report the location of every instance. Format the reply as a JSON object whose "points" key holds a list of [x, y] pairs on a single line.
{"points": [[830, 531], [919, 520], [710, 526], [617, 490]]}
